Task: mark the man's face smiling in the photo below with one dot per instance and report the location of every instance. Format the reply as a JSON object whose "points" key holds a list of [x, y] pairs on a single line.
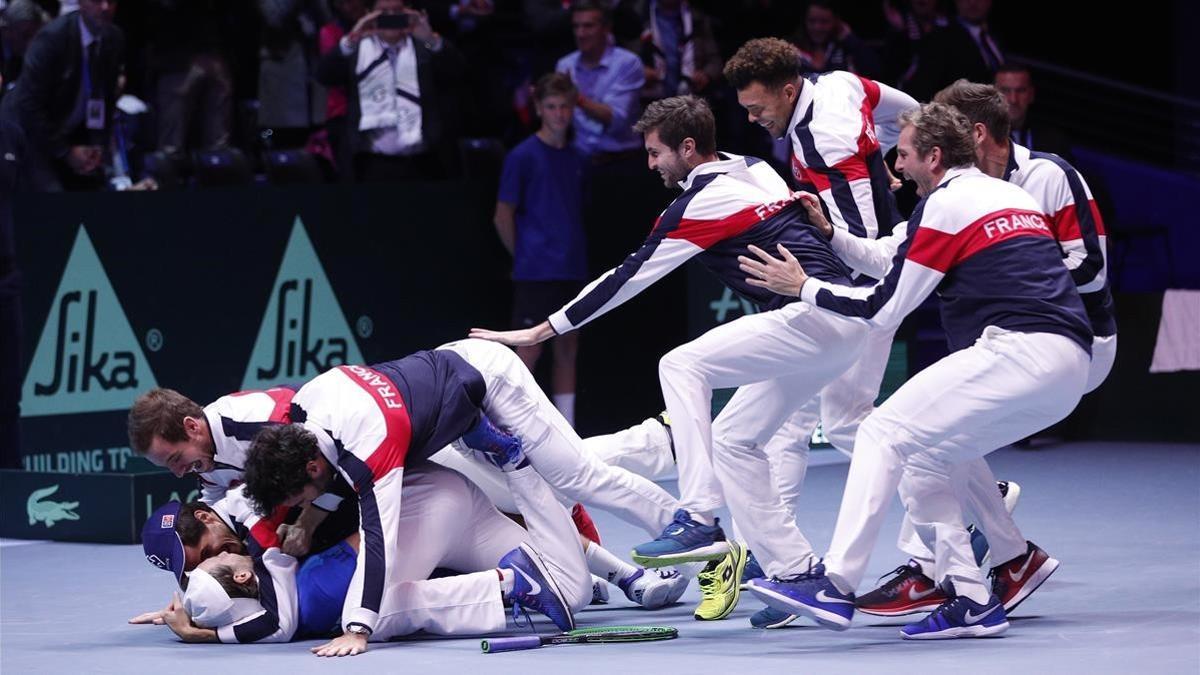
{"points": [[194, 454], [769, 108], [910, 163], [665, 160]]}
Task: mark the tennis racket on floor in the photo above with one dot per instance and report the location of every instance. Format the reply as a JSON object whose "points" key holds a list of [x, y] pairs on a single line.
{"points": [[581, 635]]}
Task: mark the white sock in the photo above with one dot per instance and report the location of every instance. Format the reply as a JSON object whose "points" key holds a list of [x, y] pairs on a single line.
{"points": [[606, 565], [506, 581], [566, 405], [705, 517]]}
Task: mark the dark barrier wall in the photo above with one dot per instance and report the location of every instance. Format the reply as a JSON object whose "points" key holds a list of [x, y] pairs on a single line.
{"points": [[214, 291]]}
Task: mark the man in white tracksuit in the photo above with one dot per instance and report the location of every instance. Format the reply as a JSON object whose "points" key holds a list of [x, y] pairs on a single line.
{"points": [[1021, 341], [1066, 201], [779, 357]]}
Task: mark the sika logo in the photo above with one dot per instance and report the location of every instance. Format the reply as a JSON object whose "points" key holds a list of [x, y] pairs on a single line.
{"points": [[87, 359], [303, 332]]}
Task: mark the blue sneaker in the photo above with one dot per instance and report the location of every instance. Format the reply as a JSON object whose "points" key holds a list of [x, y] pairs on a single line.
{"points": [[769, 617], [498, 446], [959, 617], [684, 540], [811, 594], [753, 570], [534, 588]]}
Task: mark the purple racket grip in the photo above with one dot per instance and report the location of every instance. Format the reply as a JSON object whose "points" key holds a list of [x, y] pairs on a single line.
{"points": [[511, 644]]}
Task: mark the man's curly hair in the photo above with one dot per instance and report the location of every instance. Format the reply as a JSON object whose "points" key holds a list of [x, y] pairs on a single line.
{"points": [[275, 465], [769, 61]]}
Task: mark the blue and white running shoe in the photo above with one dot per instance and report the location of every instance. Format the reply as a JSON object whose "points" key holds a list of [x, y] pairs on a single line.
{"points": [[684, 540], [769, 617], [959, 617], [534, 588], [810, 594]]}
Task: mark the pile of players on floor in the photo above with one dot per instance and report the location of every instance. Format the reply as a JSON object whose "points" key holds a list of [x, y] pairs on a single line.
{"points": [[440, 491]]}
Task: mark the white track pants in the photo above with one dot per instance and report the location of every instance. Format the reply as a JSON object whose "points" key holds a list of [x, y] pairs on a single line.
{"points": [[515, 402], [448, 522], [779, 360], [976, 484], [1001, 389]]}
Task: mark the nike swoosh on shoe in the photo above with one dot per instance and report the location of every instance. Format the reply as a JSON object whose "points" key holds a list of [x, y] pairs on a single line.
{"points": [[534, 587], [821, 596], [973, 618], [1020, 574]]}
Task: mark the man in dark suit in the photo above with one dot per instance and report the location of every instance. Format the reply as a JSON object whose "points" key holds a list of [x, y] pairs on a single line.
{"points": [[12, 180], [65, 96], [401, 81], [1028, 129], [963, 49]]}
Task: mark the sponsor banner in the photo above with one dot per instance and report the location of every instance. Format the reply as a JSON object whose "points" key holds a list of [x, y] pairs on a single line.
{"points": [[212, 292], [102, 507]]}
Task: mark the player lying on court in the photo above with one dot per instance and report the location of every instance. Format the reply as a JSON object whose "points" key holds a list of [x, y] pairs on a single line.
{"points": [[1021, 344], [232, 597], [174, 432]]}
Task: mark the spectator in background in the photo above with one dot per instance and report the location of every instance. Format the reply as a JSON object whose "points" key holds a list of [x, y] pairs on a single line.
{"points": [[346, 13], [964, 49], [908, 22], [193, 86], [539, 217], [291, 103], [678, 50], [13, 153], [401, 81], [19, 22], [609, 80], [827, 43], [65, 97], [1016, 84]]}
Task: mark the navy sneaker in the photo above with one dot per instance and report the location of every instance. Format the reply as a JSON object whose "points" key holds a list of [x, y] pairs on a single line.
{"points": [[959, 617], [684, 540], [498, 446], [810, 594], [769, 617], [908, 591], [753, 570], [534, 589]]}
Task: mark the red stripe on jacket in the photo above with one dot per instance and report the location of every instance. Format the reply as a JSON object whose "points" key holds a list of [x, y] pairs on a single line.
{"points": [[390, 453], [942, 251]]}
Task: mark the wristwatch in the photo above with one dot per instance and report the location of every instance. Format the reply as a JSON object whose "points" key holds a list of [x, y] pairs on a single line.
{"points": [[358, 629]]}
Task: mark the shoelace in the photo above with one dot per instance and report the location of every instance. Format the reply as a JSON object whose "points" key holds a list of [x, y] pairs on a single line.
{"points": [[517, 611], [897, 572], [943, 608]]}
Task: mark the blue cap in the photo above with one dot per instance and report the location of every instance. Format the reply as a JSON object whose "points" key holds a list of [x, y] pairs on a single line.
{"points": [[161, 543]]}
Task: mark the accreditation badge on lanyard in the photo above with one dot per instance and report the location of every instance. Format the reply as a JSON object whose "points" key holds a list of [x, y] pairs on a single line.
{"points": [[94, 108], [95, 114]]}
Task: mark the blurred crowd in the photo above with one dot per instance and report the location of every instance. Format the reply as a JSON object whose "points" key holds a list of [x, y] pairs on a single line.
{"points": [[143, 94]]}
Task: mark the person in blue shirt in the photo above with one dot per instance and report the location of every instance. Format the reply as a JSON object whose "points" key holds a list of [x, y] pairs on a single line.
{"points": [[609, 80], [539, 217]]}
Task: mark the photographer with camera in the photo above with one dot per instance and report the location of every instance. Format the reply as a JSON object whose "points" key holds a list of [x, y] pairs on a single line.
{"points": [[400, 79]]}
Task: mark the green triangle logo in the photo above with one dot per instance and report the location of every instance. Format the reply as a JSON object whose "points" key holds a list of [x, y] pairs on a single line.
{"points": [[87, 359], [303, 332]]}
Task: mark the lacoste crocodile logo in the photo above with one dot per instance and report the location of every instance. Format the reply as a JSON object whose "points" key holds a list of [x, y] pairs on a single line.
{"points": [[49, 512]]}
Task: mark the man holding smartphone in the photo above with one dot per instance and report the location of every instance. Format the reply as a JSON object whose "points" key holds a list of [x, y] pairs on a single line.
{"points": [[399, 77]]}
